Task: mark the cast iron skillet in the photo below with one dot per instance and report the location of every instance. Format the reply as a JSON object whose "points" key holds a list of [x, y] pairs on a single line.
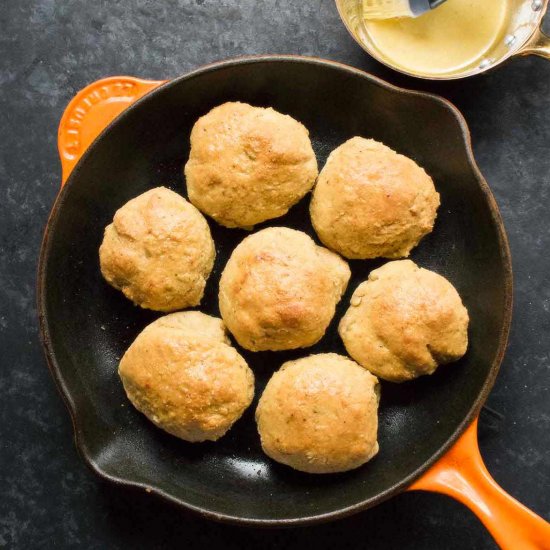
{"points": [[86, 325]]}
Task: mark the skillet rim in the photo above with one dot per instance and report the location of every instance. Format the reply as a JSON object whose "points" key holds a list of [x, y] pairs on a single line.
{"points": [[315, 518]]}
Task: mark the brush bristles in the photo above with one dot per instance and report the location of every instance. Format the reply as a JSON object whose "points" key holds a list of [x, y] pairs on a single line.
{"points": [[386, 9]]}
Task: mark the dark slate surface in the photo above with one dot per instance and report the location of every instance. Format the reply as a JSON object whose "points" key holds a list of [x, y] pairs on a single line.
{"points": [[51, 48]]}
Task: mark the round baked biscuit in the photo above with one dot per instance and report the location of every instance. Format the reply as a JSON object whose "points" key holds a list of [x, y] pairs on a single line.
{"points": [[158, 251], [404, 321], [279, 290], [182, 374], [371, 202], [318, 414], [248, 164]]}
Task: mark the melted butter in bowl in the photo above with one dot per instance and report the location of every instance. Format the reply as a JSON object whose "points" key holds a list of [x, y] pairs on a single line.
{"points": [[449, 39]]}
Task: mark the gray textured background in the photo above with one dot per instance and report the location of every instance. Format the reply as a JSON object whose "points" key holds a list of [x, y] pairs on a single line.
{"points": [[49, 49]]}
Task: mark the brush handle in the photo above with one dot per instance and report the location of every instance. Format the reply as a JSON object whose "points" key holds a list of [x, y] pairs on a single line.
{"points": [[418, 7]]}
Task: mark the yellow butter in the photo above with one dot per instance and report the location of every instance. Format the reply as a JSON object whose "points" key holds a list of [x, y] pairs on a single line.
{"points": [[450, 38]]}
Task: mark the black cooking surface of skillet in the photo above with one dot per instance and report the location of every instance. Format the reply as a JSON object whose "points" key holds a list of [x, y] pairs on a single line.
{"points": [[87, 325]]}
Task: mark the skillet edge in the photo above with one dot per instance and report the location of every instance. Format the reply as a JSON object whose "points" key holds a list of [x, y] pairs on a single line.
{"points": [[405, 482]]}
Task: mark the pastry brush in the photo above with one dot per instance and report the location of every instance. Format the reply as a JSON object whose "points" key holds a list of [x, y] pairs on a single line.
{"points": [[387, 9]]}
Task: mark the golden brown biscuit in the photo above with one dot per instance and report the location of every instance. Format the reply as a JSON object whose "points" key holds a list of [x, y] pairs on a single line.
{"points": [[404, 321], [370, 201], [158, 251], [319, 414], [182, 375], [279, 290], [248, 164]]}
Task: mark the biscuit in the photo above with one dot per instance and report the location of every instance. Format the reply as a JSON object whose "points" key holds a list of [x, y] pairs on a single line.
{"points": [[183, 376], [158, 251], [248, 164], [404, 321], [318, 414], [371, 202], [279, 290]]}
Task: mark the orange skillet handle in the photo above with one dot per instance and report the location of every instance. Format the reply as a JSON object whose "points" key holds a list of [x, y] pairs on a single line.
{"points": [[462, 475], [91, 110]]}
